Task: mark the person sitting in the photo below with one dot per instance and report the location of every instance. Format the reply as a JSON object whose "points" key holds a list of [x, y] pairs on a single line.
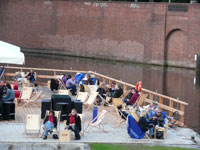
{"points": [[112, 89], [157, 119], [118, 92], [50, 122], [152, 107], [2, 89], [10, 94], [31, 76], [133, 99], [18, 77], [89, 80], [122, 113], [128, 97], [102, 93], [74, 123], [144, 124], [70, 84]]}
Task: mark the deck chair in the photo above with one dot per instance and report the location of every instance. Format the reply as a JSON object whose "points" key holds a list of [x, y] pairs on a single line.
{"points": [[61, 92], [93, 88], [2, 70], [124, 94], [62, 84], [117, 101], [162, 129], [97, 122], [35, 97], [26, 93], [87, 89], [55, 130], [141, 99], [92, 98], [32, 124], [119, 121], [83, 96]]}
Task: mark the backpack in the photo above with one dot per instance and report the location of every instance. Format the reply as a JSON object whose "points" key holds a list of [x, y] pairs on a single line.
{"points": [[55, 136]]}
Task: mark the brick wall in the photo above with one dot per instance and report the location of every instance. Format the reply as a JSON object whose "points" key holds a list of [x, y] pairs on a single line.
{"points": [[143, 32]]}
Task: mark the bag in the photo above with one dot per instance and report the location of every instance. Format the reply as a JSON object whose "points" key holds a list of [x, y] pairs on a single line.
{"points": [[65, 136], [159, 134], [55, 136]]}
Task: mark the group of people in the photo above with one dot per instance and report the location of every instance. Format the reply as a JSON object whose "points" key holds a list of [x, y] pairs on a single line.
{"points": [[73, 123]]}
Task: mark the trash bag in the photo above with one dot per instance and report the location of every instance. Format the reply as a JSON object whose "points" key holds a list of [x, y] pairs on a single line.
{"points": [[55, 136], [159, 134]]}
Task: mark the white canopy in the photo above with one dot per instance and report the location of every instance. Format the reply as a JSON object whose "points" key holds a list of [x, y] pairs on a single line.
{"points": [[10, 54]]}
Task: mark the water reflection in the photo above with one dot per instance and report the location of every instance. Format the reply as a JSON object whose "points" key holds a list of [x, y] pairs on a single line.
{"points": [[174, 82]]}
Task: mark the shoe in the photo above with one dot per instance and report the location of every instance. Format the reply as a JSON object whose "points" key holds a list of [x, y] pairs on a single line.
{"points": [[45, 137]]}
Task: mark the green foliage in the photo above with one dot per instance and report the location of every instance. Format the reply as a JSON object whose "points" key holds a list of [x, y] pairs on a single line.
{"points": [[95, 146]]}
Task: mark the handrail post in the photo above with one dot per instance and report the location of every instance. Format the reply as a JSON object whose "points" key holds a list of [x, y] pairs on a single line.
{"points": [[171, 104], [151, 96], [182, 116], [54, 73]]}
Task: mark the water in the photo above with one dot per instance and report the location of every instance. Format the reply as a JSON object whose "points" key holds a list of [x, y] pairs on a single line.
{"points": [[174, 82]]}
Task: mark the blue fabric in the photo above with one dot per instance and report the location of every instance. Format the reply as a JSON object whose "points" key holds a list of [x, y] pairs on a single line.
{"points": [[48, 127], [79, 77], [94, 81], [1, 70], [95, 113], [133, 128]]}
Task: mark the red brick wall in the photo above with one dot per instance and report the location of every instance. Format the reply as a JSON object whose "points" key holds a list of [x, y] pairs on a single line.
{"points": [[120, 31]]}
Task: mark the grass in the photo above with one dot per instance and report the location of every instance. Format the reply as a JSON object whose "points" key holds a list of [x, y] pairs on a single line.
{"points": [[95, 146]]}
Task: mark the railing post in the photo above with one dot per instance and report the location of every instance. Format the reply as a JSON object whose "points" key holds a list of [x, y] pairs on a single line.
{"points": [[171, 104], [183, 110], [124, 87], [104, 80], [151, 96], [161, 100]]}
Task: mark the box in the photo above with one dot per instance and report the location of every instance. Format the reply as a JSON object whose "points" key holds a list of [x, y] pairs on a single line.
{"points": [[65, 136]]}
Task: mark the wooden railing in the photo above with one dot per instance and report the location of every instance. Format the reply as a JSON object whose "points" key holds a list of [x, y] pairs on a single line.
{"points": [[166, 103]]}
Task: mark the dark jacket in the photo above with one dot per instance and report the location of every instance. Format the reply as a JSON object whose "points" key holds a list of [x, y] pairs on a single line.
{"points": [[77, 121], [54, 120], [134, 98], [31, 76], [158, 121], [101, 91], [129, 95], [118, 93], [143, 124]]}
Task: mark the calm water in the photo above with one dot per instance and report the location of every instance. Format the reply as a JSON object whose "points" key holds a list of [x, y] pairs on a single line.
{"points": [[174, 82]]}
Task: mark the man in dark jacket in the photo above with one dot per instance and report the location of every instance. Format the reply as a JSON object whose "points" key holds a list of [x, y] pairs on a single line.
{"points": [[157, 119], [74, 123], [50, 122], [118, 92]]}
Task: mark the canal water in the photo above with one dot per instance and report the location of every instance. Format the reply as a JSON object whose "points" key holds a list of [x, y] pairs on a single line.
{"points": [[174, 82]]}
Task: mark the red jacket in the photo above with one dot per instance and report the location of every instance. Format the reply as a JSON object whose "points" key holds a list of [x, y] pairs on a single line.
{"points": [[134, 98]]}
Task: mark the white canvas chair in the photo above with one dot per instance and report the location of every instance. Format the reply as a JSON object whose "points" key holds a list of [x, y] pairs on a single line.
{"points": [[93, 88], [119, 121], [55, 130], [83, 96], [92, 98], [97, 122], [33, 99], [32, 124], [65, 92], [26, 93]]}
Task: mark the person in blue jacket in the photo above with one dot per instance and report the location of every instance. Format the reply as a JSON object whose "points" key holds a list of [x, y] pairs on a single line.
{"points": [[10, 94]]}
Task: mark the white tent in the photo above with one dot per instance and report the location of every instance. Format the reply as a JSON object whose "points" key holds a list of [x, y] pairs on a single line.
{"points": [[11, 54]]}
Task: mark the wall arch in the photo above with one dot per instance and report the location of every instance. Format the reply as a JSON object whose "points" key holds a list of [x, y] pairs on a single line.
{"points": [[175, 47]]}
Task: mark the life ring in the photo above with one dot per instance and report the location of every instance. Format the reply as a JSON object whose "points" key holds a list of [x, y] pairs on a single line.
{"points": [[139, 86]]}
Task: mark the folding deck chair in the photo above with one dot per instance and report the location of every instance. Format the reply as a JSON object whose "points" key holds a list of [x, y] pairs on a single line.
{"points": [[119, 121], [91, 99], [141, 99], [2, 70], [36, 96], [57, 114], [32, 124], [83, 96], [97, 122], [26, 93]]}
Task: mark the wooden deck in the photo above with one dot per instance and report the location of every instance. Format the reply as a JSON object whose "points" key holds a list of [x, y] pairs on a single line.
{"points": [[35, 108]]}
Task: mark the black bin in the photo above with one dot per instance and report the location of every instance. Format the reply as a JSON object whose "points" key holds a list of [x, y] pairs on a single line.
{"points": [[60, 99], [78, 105], [65, 110], [8, 111]]}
